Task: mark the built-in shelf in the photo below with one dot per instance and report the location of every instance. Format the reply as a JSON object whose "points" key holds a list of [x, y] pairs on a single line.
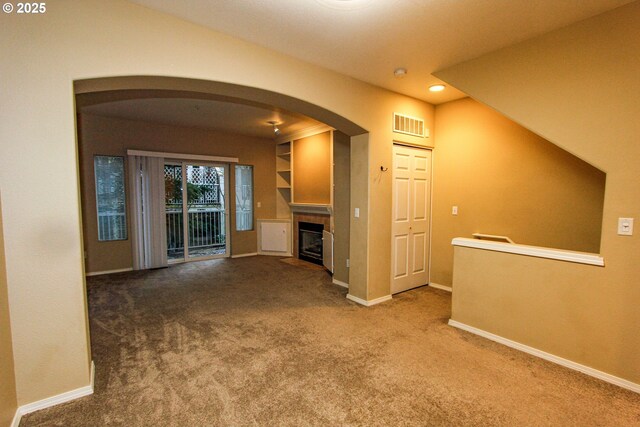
{"points": [[290, 172], [284, 178]]}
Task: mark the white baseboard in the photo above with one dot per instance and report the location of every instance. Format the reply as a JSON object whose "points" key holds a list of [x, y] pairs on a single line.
{"points": [[282, 254], [244, 255], [16, 418], [56, 400], [99, 273], [621, 382], [370, 302], [339, 283], [441, 287]]}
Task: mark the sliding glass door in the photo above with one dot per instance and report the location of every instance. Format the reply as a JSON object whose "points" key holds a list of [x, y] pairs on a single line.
{"points": [[206, 208], [197, 213]]}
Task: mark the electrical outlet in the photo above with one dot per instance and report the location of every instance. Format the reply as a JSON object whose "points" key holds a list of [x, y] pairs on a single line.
{"points": [[259, 204], [347, 262], [625, 226]]}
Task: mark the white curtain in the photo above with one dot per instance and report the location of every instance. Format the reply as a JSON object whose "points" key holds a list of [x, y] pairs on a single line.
{"points": [[148, 200]]}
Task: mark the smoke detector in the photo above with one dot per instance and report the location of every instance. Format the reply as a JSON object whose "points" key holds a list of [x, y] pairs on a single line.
{"points": [[400, 72]]}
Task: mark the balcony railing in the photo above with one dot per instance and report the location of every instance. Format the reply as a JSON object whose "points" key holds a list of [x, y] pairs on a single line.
{"points": [[206, 229], [244, 220], [112, 226]]}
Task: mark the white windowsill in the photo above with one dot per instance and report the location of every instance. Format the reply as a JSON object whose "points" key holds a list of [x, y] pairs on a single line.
{"points": [[535, 251]]}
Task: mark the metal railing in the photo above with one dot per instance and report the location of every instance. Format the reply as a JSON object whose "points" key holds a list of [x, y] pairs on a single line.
{"points": [[244, 220], [206, 228], [112, 226], [175, 233]]}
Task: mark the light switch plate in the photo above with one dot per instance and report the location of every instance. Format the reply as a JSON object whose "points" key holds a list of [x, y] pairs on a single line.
{"points": [[625, 226], [356, 212], [454, 210]]}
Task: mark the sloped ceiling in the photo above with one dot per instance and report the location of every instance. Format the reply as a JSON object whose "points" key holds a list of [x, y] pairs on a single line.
{"points": [[368, 39], [364, 39]]}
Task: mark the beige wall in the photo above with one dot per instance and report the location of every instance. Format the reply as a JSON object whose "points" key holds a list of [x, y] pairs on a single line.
{"points": [[47, 298], [508, 181], [491, 287], [341, 195], [359, 233], [112, 136], [8, 401], [312, 169], [578, 87]]}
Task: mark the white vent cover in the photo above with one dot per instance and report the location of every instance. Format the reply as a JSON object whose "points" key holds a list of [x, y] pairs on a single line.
{"points": [[409, 125]]}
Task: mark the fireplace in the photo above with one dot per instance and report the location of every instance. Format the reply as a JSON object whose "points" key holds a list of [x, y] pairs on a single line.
{"points": [[310, 242]]}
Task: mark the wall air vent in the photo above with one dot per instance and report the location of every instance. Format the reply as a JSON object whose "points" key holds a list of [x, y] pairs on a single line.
{"points": [[409, 125]]}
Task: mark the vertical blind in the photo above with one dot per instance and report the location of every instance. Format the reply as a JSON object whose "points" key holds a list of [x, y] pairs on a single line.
{"points": [[148, 196]]}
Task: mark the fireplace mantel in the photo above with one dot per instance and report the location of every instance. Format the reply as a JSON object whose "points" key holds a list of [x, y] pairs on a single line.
{"points": [[311, 208]]}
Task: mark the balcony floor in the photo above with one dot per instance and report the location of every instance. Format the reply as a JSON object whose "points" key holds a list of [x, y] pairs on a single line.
{"points": [[207, 251]]}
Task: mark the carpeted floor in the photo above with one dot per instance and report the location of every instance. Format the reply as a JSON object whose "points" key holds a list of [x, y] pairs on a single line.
{"points": [[301, 263], [255, 341]]}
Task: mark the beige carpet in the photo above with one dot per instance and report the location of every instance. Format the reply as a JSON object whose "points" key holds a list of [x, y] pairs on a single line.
{"points": [[301, 263], [255, 341]]}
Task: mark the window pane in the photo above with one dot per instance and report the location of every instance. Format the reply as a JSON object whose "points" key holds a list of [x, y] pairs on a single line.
{"points": [[244, 198], [110, 198]]}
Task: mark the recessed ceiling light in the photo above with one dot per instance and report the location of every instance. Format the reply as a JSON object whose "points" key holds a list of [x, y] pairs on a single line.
{"points": [[436, 88]]}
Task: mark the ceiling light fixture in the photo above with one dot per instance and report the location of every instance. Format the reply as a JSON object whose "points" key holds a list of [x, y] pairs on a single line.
{"points": [[345, 4], [436, 88], [273, 123], [400, 72]]}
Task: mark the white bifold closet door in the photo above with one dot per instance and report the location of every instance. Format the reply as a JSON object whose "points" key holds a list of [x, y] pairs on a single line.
{"points": [[411, 218]]}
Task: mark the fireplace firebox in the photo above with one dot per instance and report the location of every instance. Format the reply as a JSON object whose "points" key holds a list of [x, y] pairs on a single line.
{"points": [[310, 242]]}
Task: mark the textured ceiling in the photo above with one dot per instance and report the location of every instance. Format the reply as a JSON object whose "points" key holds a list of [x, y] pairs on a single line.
{"points": [[204, 113], [364, 39], [368, 39]]}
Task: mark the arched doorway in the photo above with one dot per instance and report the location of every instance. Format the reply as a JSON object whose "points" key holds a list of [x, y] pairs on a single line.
{"points": [[102, 91]]}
